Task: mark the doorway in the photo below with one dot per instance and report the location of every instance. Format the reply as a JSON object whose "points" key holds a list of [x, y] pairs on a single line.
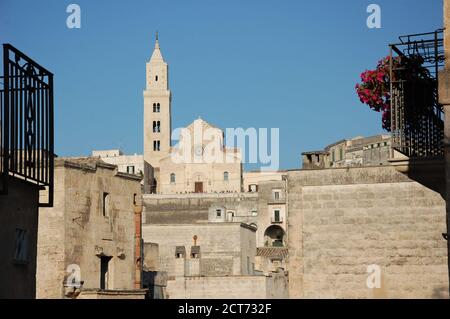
{"points": [[104, 272], [199, 187]]}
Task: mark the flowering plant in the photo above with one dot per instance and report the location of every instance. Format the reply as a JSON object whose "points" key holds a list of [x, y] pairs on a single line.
{"points": [[374, 89]]}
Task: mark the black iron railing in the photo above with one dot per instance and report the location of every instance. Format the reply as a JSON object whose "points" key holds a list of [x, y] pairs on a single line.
{"points": [[417, 124], [26, 120]]}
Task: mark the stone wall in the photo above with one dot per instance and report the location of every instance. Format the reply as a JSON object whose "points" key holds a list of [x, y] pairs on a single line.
{"points": [[193, 208], [343, 220], [80, 227], [18, 210], [224, 247], [235, 287]]}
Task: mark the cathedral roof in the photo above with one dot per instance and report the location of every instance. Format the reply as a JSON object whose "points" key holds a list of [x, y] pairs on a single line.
{"points": [[203, 123]]}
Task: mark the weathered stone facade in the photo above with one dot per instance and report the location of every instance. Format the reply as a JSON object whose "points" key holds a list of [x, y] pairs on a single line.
{"points": [[355, 152], [225, 249], [92, 225], [343, 220]]}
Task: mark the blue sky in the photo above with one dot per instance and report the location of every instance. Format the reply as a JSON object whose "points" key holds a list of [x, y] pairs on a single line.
{"points": [[286, 64]]}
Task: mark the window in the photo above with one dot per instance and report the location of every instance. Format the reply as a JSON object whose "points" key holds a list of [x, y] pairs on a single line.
{"points": [[106, 204], [158, 107], [252, 188], [341, 154], [276, 194], [21, 246], [156, 78], [130, 169], [156, 126], [254, 213], [172, 178], [154, 107], [156, 146], [180, 252], [195, 252], [276, 215], [333, 156], [225, 176], [218, 213]]}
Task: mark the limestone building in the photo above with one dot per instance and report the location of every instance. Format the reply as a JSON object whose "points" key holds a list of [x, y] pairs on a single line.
{"points": [[200, 163], [87, 241], [356, 152]]}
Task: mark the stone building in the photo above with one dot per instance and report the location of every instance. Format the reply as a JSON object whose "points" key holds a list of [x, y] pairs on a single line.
{"points": [[201, 162], [86, 242], [130, 164], [209, 260], [347, 225], [356, 152], [18, 234], [26, 168]]}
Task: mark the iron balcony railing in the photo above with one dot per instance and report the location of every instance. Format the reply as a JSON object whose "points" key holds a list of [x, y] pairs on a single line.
{"points": [[26, 121], [417, 125]]}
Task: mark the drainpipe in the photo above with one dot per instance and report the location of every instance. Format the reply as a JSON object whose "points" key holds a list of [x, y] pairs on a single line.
{"points": [[138, 246]]}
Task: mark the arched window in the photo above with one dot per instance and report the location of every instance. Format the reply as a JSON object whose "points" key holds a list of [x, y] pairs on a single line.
{"points": [[156, 145], [225, 176], [172, 178], [154, 107], [156, 126], [156, 78], [158, 108]]}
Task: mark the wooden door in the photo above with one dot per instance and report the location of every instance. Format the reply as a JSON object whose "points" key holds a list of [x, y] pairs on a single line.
{"points": [[199, 187]]}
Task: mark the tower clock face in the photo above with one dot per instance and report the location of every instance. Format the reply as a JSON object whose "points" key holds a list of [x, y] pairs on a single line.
{"points": [[198, 150]]}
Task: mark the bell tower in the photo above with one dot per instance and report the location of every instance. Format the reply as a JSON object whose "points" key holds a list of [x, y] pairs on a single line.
{"points": [[157, 113]]}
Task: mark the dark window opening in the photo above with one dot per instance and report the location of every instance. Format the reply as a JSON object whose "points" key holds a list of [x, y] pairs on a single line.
{"points": [[106, 204]]}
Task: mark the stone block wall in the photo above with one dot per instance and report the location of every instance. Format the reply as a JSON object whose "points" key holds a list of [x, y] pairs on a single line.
{"points": [[235, 287], [343, 220]]}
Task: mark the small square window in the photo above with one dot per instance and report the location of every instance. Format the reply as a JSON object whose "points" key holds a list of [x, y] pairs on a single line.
{"points": [[218, 212]]}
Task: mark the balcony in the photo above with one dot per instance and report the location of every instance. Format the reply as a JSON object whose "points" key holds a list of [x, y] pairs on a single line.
{"points": [[274, 220]]}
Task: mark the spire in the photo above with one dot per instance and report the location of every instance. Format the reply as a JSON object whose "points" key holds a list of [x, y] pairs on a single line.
{"points": [[156, 41], [156, 56]]}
